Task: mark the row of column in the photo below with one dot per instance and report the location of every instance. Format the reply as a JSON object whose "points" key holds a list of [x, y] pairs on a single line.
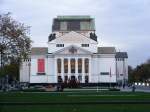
{"points": [[69, 65], [76, 74]]}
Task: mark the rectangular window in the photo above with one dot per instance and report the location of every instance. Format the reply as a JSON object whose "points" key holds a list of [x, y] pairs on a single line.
{"points": [[121, 74], [80, 78], [86, 65], [66, 79], [59, 45], [73, 25], [86, 79], [56, 25], [58, 65], [79, 65], [72, 65], [104, 73], [85, 45], [41, 66], [65, 65]]}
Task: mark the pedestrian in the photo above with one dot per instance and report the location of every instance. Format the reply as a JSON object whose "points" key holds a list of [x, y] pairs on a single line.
{"points": [[133, 88], [123, 86]]}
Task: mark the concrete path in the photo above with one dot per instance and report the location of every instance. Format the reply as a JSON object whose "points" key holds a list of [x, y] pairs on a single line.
{"points": [[138, 89]]}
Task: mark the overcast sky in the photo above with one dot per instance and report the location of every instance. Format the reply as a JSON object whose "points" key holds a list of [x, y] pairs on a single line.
{"points": [[124, 24]]}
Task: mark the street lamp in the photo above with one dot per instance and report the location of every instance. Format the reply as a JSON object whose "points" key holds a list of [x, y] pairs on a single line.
{"points": [[98, 82]]}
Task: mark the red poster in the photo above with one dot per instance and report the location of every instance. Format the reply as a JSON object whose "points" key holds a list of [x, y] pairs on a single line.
{"points": [[41, 65]]}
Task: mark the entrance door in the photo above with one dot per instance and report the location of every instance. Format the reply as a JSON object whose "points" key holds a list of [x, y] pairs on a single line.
{"points": [[73, 78], [73, 82]]}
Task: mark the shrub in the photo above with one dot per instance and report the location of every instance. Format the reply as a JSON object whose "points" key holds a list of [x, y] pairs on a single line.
{"points": [[114, 89]]}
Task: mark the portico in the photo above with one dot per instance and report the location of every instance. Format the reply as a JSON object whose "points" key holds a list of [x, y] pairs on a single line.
{"points": [[79, 67]]}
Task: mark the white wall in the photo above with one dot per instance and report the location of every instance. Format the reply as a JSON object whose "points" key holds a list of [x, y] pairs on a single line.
{"points": [[126, 67], [52, 47], [61, 33], [51, 70], [49, 76], [33, 66], [43, 79], [100, 64], [122, 68], [73, 38], [25, 71], [38, 79]]}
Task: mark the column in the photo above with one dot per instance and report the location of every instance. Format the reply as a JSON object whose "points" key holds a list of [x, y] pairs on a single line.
{"points": [[69, 71], [76, 68], [62, 68], [83, 71], [55, 70], [90, 70]]}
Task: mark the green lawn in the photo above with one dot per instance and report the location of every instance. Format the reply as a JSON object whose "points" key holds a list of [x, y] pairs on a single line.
{"points": [[71, 100], [73, 96], [77, 108]]}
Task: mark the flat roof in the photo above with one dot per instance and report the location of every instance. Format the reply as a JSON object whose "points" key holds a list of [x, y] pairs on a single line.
{"points": [[106, 50], [73, 23], [121, 55], [74, 17], [39, 50]]}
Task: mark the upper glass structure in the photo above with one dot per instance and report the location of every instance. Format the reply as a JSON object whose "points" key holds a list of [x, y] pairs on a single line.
{"points": [[73, 23]]}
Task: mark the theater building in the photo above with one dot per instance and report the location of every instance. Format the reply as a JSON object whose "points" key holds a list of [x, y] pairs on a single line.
{"points": [[73, 54]]}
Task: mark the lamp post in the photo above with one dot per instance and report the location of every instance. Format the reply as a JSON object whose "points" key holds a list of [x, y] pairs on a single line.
{"points": [[110, 78], [29, 64], [98, 83]]}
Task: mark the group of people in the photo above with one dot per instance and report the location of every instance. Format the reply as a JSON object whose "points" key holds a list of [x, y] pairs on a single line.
{"points": [[8, 83], [131, 86]]}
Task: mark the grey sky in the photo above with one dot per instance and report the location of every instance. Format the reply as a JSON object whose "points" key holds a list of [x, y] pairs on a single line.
{"points": [[121, 23]]}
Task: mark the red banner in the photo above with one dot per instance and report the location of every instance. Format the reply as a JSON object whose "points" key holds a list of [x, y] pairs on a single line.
{"points": [[41, 65]]}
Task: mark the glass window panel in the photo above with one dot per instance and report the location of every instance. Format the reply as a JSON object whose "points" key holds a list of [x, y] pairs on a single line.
{"points": [[86, 79], [72, 65], [104, 73], [73, 25], [79, 65], [85, 25], [65, 65], [58, 65], [86, 65], [63, 25]]}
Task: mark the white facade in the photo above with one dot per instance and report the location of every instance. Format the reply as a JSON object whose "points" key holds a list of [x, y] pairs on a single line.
{"points": [[85, 61]]}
